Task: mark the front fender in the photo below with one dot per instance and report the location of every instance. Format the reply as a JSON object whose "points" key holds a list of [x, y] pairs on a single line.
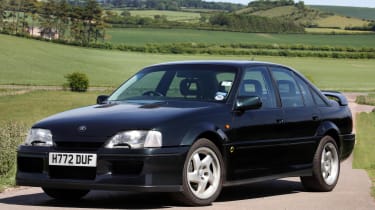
{"points": [[193, 133]]}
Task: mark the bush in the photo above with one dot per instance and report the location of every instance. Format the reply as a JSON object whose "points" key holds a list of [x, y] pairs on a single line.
{"points": [[77, 82], [11, 135], [366, 99]]}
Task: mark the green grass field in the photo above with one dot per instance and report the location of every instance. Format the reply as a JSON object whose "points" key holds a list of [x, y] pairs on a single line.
{"points": [[33, 106], [34, 62], [359, 12], [133, 36], [364, 156], [171, 15], [341, 21]]}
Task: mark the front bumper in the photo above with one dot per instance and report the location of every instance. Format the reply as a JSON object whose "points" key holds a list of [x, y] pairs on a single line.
{"points": [[146, 170]]}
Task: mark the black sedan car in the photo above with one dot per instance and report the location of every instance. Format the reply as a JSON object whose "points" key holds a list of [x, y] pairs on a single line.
{"points": [[192, 128]]}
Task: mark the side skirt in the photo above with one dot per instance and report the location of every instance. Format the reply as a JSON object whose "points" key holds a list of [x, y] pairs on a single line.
{"points": [[306, 172]]}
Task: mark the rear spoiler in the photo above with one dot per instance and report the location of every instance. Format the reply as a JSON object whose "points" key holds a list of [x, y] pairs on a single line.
{"points": [[336, 96]]}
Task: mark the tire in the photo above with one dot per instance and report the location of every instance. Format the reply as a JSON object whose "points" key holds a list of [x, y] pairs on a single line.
{"points": [[65, 194], [326, 167], [203, 174]]}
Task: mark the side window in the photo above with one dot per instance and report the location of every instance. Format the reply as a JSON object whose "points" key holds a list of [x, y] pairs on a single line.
{"points": [[256, 82], [290, 93], [305, 92], [209, 85]]}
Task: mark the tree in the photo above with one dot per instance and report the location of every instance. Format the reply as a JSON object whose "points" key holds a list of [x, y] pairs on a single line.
{"points": [[28, 9], [3, 4], [220, 19], [125, 13], [301, 5], [48, 19], [62, 14], [13, 6], [92, 20], [76, 25]]}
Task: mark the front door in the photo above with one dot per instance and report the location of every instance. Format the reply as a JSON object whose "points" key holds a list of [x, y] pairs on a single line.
{"points": [[252, 152]]}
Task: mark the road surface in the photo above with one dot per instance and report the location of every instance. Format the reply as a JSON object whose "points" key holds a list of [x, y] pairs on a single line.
{"points": [[351, 193]]}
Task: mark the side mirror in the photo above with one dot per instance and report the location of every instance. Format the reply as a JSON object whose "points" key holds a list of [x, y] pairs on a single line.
{"points": [[244, 103], [101, 99]]}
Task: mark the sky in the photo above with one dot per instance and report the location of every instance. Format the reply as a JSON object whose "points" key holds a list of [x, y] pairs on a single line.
{"points": [[354, 3]]}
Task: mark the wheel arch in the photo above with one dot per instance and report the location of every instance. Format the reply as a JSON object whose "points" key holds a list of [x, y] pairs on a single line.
{"points": [[215, 138], [208, 131], [328, 128]]}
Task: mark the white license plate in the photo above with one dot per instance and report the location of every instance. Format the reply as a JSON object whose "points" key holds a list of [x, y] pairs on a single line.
{"points": [[72, 159]]}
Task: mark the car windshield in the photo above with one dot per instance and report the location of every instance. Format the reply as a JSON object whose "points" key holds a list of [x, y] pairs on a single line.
{"points": [[182, 82]]}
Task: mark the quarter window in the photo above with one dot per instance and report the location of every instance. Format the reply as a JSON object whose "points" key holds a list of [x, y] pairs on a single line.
{"points": [[318, 99], [305, 92]]}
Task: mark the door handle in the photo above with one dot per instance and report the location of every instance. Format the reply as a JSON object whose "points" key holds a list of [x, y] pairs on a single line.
{"points": [[279, 121]]}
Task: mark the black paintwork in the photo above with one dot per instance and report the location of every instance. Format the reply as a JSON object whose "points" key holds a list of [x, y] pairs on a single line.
{"points": [[257, 143]]}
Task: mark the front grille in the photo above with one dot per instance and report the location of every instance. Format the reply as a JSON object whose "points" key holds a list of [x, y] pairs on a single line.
{"points": [[70, 172], [30, 164], [78, 145]]}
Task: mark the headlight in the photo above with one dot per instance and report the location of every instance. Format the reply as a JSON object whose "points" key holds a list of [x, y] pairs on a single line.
{"points": [[39, 137], [135, 140]]}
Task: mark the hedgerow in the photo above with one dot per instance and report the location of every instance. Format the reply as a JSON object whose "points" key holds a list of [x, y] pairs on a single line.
{"points": [[12, 134], [212, 49]]}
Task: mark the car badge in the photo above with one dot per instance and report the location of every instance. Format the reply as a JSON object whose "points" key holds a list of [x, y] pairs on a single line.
{"points": [[82, 128]]}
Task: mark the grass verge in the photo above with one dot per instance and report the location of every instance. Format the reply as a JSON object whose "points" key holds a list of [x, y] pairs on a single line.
{"points": [[364, 156], [11, 135], [7, 180]]}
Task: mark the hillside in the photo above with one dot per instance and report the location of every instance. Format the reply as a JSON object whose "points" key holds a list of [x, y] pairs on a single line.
{"points": [[26, 61], [357, 12], [311, 16]]}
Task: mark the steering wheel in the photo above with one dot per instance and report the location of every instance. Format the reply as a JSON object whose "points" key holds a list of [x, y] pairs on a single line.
{"points": [[152, 93]]}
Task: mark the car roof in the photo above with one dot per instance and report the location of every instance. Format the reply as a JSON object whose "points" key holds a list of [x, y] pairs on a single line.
{"points": [[237, 63]]}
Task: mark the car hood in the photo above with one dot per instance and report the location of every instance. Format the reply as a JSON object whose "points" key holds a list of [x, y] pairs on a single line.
{"points": [[100, 122]]}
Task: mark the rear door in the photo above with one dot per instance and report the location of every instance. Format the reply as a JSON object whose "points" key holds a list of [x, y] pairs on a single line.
{"points": [[301, 117]]}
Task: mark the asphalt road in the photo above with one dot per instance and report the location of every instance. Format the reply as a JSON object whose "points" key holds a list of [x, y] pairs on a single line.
{"points": [[351, 193]]}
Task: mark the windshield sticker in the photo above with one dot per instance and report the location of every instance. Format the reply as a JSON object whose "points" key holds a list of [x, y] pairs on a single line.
{"points": [[220, 96], [226, 83]]}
